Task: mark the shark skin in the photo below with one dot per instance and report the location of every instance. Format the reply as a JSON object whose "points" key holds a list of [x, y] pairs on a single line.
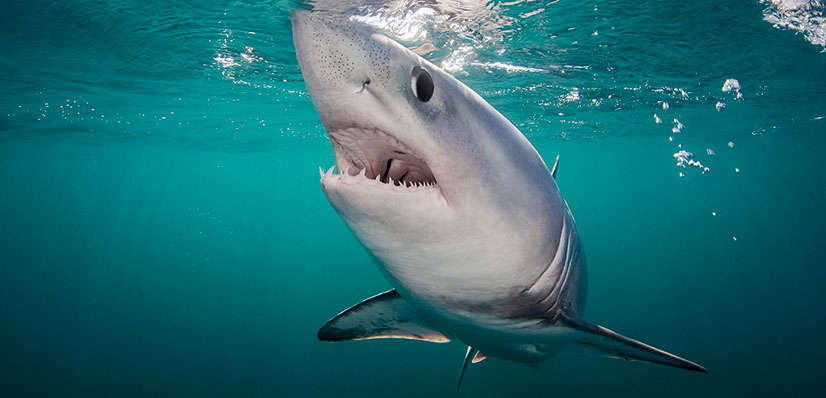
{"points": [[454, 205]]}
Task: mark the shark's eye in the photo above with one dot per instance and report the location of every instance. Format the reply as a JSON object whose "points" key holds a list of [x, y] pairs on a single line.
{"points": [[422, 84]]}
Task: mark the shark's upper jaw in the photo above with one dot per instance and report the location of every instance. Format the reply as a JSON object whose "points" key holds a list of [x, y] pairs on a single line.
{"points": [[377, 155]]}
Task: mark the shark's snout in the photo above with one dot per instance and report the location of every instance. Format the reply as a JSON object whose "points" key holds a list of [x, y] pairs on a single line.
{"points": [[339, 54]]}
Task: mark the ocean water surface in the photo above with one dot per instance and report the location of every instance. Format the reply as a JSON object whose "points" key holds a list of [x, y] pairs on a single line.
{"points": [[163, 231]]}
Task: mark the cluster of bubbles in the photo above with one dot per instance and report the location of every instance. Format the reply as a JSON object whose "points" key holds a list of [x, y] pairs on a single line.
{"points": [[686, 159]]}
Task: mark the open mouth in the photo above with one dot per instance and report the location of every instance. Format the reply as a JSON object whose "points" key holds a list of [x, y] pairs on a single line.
{"points": [[378, 156]]}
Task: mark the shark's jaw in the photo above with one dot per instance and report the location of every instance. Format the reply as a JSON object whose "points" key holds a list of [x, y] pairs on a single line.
{"points": [[380, 157], [381, 187]]}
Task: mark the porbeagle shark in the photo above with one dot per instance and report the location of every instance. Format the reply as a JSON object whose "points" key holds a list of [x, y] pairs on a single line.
{"points": [[454, 205]]}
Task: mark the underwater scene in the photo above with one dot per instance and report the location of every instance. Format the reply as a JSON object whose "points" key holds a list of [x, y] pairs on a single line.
{"points": [[164, 232]]}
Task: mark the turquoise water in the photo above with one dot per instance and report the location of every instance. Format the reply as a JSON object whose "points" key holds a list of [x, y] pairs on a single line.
{"points": [[163, 232]]}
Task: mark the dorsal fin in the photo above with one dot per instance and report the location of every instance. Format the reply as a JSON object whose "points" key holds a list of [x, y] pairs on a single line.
{"points": [[383, 316], [553, 170], [469, 355]]}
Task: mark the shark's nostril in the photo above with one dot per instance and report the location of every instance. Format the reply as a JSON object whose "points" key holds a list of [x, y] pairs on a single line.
{"points": [[364, 84]]}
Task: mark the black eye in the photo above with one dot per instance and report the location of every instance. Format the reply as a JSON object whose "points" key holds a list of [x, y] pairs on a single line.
{"points": [[422, 84]]}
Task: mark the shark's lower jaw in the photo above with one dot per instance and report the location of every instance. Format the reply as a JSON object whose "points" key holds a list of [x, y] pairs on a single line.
{"points": [[375, 155]]}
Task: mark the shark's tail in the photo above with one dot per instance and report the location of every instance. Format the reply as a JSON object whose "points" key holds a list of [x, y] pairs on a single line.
{"points": [[615, 345]]}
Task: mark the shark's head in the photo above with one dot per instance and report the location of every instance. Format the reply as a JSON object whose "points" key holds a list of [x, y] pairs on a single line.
{"points": [[427, 170]]}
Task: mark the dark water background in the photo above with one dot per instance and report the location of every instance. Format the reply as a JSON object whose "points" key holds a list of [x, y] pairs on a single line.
{"points": [[163, 233]]}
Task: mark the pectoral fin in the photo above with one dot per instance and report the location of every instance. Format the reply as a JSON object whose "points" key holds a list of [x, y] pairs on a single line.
{"points": [[384, 316], [612, 344]]}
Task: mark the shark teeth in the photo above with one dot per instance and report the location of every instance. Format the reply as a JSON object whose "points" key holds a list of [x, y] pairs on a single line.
{"points": [[361, 178]]}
